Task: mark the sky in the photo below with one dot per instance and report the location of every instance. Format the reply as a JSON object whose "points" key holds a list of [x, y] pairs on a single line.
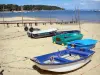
{"points": [[67, 4]]}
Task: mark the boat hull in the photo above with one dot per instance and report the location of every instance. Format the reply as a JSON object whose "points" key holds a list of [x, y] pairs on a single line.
{"points": [[49, 34], [87, 46], [64, 39], [84, 46], [65, 67], [85, 43]]}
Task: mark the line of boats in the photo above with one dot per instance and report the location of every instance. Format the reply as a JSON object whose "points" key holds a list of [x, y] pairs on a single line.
{"points": [[76, 54]]}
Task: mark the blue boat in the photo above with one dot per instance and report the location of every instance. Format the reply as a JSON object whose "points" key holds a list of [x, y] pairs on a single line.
{"points": [[85, 43], [64, 60]]}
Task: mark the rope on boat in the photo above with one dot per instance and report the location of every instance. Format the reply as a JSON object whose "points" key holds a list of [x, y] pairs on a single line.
{"points": [[52, 59]]}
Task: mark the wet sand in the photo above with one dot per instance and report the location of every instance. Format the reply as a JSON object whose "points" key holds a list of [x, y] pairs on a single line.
{"points": [[16, 48]]}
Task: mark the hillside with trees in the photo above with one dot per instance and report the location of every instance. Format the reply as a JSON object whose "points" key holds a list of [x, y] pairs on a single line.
{"points": [[13, 7]]}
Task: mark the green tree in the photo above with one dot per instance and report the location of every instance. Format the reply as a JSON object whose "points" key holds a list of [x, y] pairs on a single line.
{"points": [[13, 7]]}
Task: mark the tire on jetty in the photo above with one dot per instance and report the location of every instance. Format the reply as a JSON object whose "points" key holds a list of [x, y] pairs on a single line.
{"points": [[26, 28], [31, 30]]}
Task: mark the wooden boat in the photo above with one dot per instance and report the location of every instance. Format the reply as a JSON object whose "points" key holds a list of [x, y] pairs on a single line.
{"points": [[42, 33], [63, 39], [64, 60], [85, 43]]}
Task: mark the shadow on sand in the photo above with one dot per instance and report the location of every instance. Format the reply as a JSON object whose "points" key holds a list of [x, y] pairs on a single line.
{"points": [[41, 71]]}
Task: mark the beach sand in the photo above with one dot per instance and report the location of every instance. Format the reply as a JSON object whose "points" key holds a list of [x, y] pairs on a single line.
{"points": [[16, 48]]}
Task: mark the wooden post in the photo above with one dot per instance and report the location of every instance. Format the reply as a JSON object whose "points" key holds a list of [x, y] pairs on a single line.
{"points": [[30, 24], [25, 24], [7, 25], [17, 24], [35, 23]]}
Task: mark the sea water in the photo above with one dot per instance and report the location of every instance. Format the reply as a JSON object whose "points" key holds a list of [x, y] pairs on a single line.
{"points": [[63, 15]]}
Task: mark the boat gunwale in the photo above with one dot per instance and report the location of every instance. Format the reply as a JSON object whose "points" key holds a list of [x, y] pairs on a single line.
{"points": [[67, 62], [44, 31], [79, 43]]}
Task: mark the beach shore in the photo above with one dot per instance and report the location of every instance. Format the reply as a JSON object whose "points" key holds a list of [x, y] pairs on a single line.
{"points": [[25, 19], [16, 48]]}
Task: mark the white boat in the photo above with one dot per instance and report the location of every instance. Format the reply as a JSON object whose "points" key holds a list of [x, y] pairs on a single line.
{"points": [[64, 61], [42, 33]]}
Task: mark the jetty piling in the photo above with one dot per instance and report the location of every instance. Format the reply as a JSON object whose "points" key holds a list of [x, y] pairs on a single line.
{"points": [[17, 24]]}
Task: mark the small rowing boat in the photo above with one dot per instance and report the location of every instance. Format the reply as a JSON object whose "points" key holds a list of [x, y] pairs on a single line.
{"points": [[84, 43], [63, 39], [42, 33], [64, 60]]}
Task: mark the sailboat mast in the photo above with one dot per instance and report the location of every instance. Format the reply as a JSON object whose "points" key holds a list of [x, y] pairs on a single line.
{"points": [[78, 12], [22, 14], [3, 15], [50, 16], [75, 15]]}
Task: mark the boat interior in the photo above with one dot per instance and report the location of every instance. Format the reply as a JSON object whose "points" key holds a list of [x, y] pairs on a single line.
{"points": [[64, 56]]}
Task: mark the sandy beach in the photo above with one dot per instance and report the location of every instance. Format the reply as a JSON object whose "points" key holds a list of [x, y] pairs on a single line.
{"points": [[16, 48]]}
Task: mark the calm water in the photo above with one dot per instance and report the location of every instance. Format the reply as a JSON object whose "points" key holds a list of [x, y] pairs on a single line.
{"points": [[58, 14]]}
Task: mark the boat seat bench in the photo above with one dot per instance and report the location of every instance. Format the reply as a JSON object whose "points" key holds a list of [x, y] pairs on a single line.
{"points": [[62, 60]]}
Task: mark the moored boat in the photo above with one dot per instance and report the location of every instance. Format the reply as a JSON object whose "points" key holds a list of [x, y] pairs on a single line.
{"points": [[84, 43], [64, 60], [42, 33], [63, 39]]}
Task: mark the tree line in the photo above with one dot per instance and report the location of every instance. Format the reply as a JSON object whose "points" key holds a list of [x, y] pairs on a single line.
{"points": [[13, 7]]}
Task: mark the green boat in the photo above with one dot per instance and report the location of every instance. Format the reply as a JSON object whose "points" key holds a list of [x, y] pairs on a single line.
{"points": [[63, 39]]}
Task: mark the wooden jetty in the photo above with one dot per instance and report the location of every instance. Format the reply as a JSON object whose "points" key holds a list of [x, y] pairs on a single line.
{"points": [[35, 21]]}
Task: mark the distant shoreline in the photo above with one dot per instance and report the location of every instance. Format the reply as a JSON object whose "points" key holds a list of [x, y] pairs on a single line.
{"points": [[48, 10]]}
